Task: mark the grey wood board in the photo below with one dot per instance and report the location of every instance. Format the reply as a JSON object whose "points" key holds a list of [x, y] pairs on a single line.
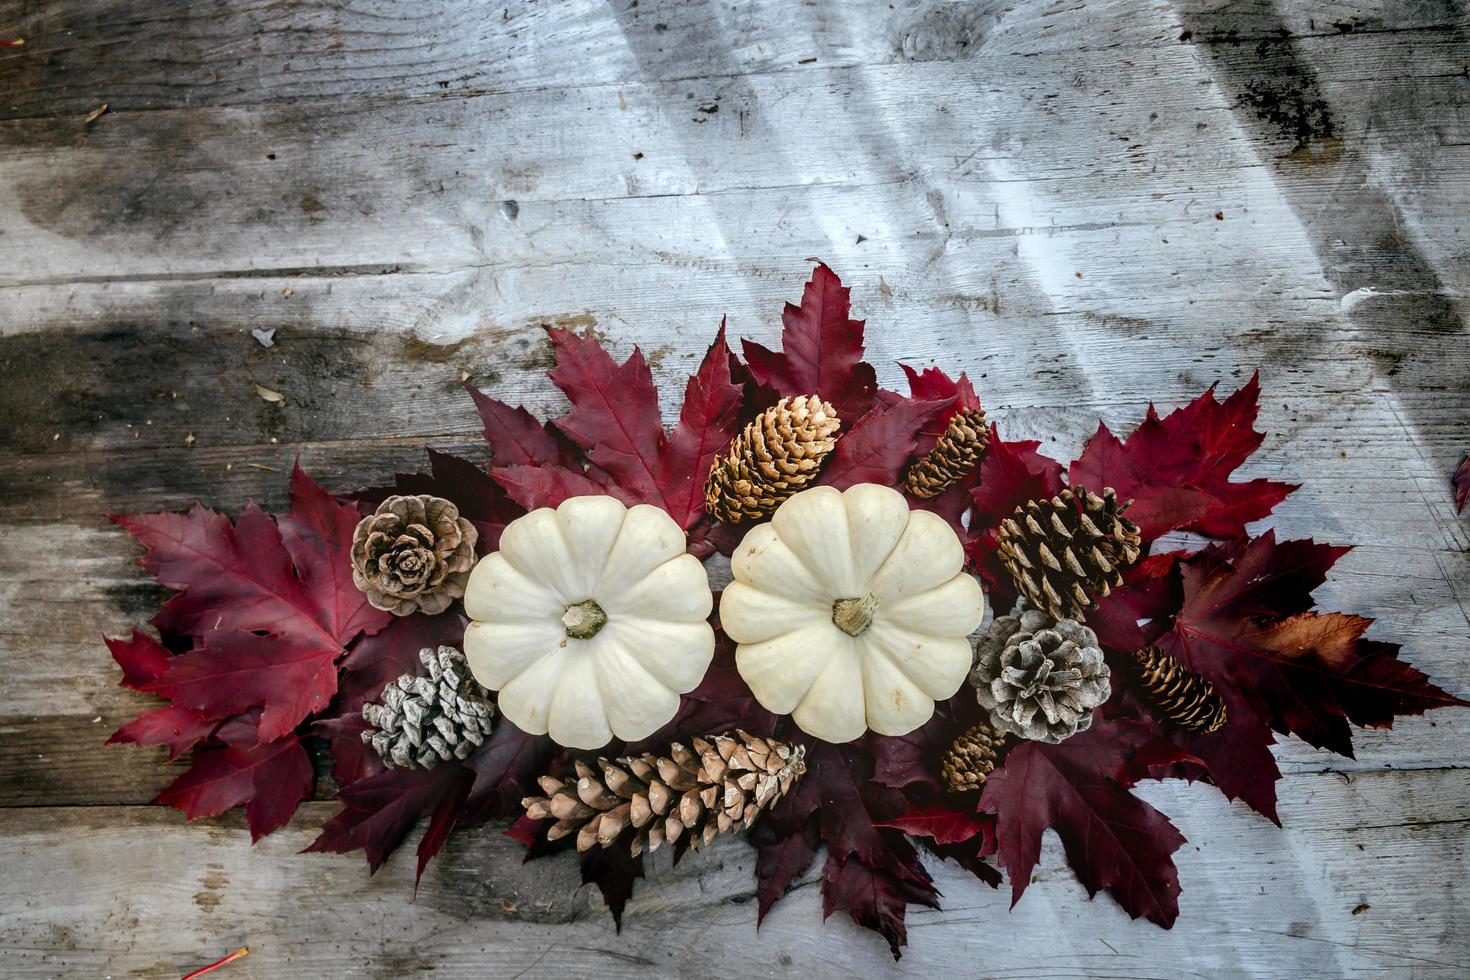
{"points": [[1087, 206]]}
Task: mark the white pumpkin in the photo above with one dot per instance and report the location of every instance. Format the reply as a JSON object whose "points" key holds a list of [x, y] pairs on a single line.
{"points": [[852, 612], [589, 621]]}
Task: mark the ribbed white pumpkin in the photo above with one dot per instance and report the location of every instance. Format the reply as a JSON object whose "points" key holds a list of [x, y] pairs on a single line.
{"points": [[589, 621], [852, 612]]}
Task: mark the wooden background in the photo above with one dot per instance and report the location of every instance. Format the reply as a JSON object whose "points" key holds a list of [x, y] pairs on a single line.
{"points": [[1084, 204]]}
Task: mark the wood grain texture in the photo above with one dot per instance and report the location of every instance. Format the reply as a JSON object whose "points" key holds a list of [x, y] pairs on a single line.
{"points": [[1085, 205]]}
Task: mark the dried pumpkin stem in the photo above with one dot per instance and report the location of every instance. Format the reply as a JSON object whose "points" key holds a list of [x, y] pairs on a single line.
{"points": [[584, 619], [854, 615]]}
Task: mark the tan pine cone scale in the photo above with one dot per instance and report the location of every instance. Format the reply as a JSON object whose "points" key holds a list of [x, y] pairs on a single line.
{"points": [[778, 453], [723, 783], [1065, 553], [970, 759], [962, 445], [1185, 698]]}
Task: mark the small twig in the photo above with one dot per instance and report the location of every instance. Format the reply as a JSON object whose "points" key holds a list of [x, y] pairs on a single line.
{"points": [[18, 42], [238, 954]]}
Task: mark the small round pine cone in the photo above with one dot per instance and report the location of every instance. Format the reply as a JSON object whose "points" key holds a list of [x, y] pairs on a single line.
{"points": [[413, 554], [970, 759]]}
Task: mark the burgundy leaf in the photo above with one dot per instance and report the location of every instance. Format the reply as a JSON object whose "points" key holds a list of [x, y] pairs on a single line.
{"points": [[783, 855], [877, 898], [707, 423], [613, 870], [1079, 788], [821, 350], [442, 821], [270, 779], [234, 671], [141, 657], [1461, 482], [880, 445], [939, 821], [1177, 470], [548, 486], [514, 435], [378, 811], [178, 728]]}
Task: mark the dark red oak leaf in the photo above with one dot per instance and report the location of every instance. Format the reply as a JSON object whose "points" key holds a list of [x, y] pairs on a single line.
{"points": [[878, 897], [269, 779], [821, 350], [379, 811], [1177, 469], [839, 798], [1461, 482], [1243, 624], [1079, 788]]}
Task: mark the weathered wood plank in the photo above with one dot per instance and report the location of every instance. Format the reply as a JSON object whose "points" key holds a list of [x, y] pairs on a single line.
{"points": [[111, 890]]}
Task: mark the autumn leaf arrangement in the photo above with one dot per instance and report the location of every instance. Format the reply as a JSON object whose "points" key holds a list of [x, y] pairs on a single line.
{"points": [[535, 640]]}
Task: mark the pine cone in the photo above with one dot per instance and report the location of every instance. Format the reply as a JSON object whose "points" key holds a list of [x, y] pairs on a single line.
{"points": [[419, 722], [1065, 553], [970, 759], [1040, 677], [779, 453], [413, 554], [722, 784], [1185, 698], [962, 446]]}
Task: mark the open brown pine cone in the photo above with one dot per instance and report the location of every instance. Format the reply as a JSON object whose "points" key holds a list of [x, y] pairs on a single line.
{"points": [[413, 554], [1065, 553], [723, 783], [778, 453]]}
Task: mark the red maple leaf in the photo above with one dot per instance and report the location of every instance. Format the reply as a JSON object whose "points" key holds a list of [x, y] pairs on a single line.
{"points": [[245, 576], [272, 607], [1079, 788], [1177, 469], [939, 821], [615, 421], [379, 811], [821, 350], [1461, 482], [514, 435], [269, 779]]}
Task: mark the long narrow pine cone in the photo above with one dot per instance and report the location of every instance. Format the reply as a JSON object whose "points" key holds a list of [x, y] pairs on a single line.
{"points": [[962, 446], [723, 783], [1065, 553], [779, 452], [1187, 699], [969, 760]]}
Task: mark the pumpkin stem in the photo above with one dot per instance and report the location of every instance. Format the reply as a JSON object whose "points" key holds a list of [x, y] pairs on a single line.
{"points": [[852, 616], [584, 619]]}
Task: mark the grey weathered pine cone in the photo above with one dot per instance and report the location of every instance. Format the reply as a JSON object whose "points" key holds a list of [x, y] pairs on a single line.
{"points": [[1039, 677], [1065, 553], [1185, 698], [778, 453], [962, 445], [413, 554], [722, 784], [420, 721], [970, 758]]}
